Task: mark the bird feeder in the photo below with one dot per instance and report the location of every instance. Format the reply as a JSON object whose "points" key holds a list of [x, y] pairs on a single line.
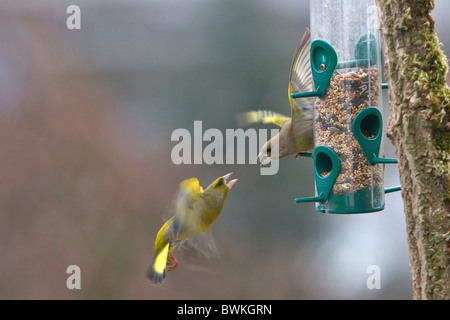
{"points": [[346, 67]]}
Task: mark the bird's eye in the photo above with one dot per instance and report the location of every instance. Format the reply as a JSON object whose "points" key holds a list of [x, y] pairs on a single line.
{"points": [[220, 182]]}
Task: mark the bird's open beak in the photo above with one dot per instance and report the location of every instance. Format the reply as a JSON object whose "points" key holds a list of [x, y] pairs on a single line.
{"points": [[263, 159], [231, 183]]}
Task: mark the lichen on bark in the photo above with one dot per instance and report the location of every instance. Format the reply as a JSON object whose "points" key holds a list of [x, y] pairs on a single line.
{"points": [[419, 129]]}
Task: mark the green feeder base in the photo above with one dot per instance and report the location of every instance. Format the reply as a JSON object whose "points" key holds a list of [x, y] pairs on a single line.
{"points": [[361, 201]]}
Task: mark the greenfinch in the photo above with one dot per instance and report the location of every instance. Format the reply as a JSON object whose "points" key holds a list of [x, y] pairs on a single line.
{"points": [[193, 210], [296, 134]]}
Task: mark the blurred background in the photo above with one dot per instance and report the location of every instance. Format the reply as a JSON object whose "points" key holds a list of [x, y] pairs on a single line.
{"points": [[86, 173]]}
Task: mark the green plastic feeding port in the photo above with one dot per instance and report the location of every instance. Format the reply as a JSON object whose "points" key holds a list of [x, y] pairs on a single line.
{"points": [[323, 63], [364, 54], [326, 168], [333, 195], [367, 128]]}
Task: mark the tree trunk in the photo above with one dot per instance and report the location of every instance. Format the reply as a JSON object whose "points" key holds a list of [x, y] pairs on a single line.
{"points": [[419, 129]]}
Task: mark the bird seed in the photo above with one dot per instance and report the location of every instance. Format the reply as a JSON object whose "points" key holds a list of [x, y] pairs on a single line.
{"points": [[348, 93]]}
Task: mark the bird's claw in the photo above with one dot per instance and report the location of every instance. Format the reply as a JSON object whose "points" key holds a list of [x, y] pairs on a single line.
{"points": [[172, 262]]}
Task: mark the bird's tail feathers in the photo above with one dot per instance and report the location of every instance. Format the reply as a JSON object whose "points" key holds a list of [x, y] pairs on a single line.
{"points": [[157, 271]]}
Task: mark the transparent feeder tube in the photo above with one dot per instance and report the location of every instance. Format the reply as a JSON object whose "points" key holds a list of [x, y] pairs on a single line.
{"points": [[351, 28]]}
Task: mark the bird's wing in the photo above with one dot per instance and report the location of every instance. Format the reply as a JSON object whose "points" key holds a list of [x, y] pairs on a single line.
{"points": [[200, 252], [262, 116], [183, 202], [300, 77]]}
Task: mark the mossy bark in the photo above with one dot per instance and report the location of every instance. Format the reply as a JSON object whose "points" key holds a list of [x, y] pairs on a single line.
{"points": [[419, 129]]}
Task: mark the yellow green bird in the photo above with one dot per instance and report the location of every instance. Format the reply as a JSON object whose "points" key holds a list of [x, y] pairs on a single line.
{"points": [[296, 134], [193, 210]]}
